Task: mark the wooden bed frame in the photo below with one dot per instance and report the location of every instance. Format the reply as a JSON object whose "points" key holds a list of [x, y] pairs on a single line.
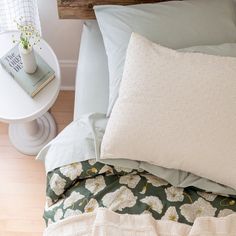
{"points": [[83, 9]]}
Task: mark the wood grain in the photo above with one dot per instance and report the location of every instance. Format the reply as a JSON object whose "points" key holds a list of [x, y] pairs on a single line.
{"points": [[22, 188], [83, 9]]}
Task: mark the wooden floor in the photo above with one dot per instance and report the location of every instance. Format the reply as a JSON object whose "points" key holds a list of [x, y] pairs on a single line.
{"points": [[22, 179]]}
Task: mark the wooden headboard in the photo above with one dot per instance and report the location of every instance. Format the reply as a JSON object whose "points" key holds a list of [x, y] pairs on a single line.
{"points": [[83, 9]]}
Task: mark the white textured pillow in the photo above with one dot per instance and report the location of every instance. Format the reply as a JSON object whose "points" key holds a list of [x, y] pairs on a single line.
{"points": [[176, 110]]}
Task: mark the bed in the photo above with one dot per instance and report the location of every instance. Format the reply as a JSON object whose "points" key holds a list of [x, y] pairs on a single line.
{"points": [[91, 195]]}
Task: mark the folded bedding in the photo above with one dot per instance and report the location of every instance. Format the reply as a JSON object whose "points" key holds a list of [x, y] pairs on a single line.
{"points": [[105, 222], [85, 186]]}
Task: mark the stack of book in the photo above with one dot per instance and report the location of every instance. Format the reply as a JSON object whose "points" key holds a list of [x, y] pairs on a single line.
{"points": [[31, 83]]}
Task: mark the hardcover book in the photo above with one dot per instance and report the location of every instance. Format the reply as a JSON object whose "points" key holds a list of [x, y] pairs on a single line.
{"points": [[31, 83]]}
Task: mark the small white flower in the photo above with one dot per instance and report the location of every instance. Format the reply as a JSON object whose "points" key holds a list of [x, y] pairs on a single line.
{"points": [[95, 185], [58, 215], [92, 162], [154, 203], [174, 194], [57, 184], [120, 169], [120, 199], [70, 212], [74, 197], [72, 171], [225, 212], [155, 181], [207, 196], [130, 180], [171, 214], [91, 206], [106, 169], [197, 209]]}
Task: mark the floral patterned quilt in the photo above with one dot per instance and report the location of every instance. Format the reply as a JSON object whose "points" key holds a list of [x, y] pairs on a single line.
{"points": [[84, 186]]}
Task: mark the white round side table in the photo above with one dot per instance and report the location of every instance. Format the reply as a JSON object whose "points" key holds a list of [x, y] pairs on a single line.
{"points": [[31, 126]]}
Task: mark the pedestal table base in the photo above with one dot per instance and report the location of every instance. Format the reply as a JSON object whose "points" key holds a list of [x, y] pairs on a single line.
{"points": [[29, 138]]}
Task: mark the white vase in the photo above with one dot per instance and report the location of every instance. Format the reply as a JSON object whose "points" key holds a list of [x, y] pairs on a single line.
{"points": [[28, 59]]}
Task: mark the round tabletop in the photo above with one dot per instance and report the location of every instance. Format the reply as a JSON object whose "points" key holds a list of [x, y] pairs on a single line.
{"points": [[15, 104]]}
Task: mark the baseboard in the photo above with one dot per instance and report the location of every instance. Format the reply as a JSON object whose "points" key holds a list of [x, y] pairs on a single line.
{"points": [[68, 88], [68, 73]]}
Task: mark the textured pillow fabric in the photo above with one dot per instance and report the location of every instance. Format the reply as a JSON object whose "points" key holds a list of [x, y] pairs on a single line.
{"points": [[92, 79], [175, 24], [176, 110]]}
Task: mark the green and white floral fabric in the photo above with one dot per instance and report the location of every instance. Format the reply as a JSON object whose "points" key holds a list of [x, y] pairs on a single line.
{"points": [[84, 186]]}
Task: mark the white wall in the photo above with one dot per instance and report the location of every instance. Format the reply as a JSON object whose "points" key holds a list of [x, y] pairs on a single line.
{"points": [[64, 37]]}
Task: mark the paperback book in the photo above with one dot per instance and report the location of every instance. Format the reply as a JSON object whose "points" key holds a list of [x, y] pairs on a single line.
{"points": [[31, 83]]}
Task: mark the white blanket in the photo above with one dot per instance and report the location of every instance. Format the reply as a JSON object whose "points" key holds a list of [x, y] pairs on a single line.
{"points": [[107, 223]]}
